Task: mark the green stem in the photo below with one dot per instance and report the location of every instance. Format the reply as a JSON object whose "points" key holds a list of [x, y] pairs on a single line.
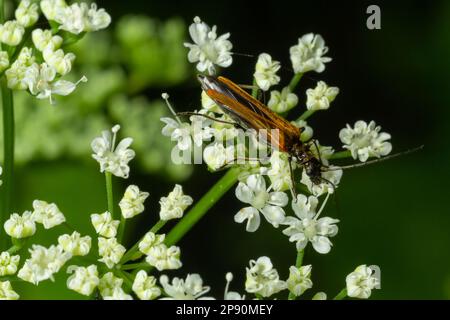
{"points": [[202, 206], [109, 193], [121, 230], [306, 114], [341, 155], [298, 264], [341, 295], [134, 249], [8, 155], [126, 279], [133, 266], [294, 81], [254, 89]]}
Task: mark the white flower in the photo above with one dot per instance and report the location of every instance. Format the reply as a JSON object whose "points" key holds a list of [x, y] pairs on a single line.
{"points": [[307, 227], [279, 173], [231, 295], [97, 19], [307, 55], [47, 214], [44, 39], [208, 49], [282, 101], [27, 13], [320, 296], [104, 224], [266, 72], [118, 294], [321, 96], [61, 62], [187, 135], [163, 258], [20, 226], [75, 244], [40, 81], [8, 264], [108, 283], [4, 60], [365, 140], [43, 263], [145, 286], [331, 179], [190, 289], [84, 279], [307, 133], [361, 282], [78, 18], [262, 278], [16, 74], [254, 192], [216, 155], [299, 279], [7, 292], [150, 240], [110, 250], [11, 33], [173, 206], [113, 158], [132, 202], [52, 8]]}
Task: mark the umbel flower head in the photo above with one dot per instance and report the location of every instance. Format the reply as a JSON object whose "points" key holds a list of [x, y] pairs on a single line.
{"points": [[282, 101], [132, 202], [20, 226], [307, 55], [27, 13], [47, 214], [76, 18], [321, 96], [191, 288], [173, 206], [83, 280], [308, 227], [104, 224], [262, 278], [365, 140], [43, 263], [261, 200], [145, 286], [7, 292], [266, 72], [361, 282], [208, 49], [75, 244], [110, 251], [299, 279], [8, 264], [112, 158]]}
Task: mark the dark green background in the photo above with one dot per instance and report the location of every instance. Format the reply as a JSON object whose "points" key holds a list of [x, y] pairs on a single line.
{"points": [[393, 214]]}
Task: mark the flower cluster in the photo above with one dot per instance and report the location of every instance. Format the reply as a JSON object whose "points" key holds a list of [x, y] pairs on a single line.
{"points": [[112, 158], [39, 66], [263, 184]]}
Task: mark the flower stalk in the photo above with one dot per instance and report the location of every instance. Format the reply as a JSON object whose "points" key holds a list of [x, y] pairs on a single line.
{"points": [[202, 207], [8, 147], [295, 80], [298, 264], [134, 249], [341, 295]]}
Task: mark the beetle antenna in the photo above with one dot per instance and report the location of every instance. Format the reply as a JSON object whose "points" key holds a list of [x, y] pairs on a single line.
{"points": [[363, 164]]}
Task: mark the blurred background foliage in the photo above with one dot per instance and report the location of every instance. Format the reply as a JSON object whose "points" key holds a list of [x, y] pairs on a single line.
{"points": [[392, 214]]}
